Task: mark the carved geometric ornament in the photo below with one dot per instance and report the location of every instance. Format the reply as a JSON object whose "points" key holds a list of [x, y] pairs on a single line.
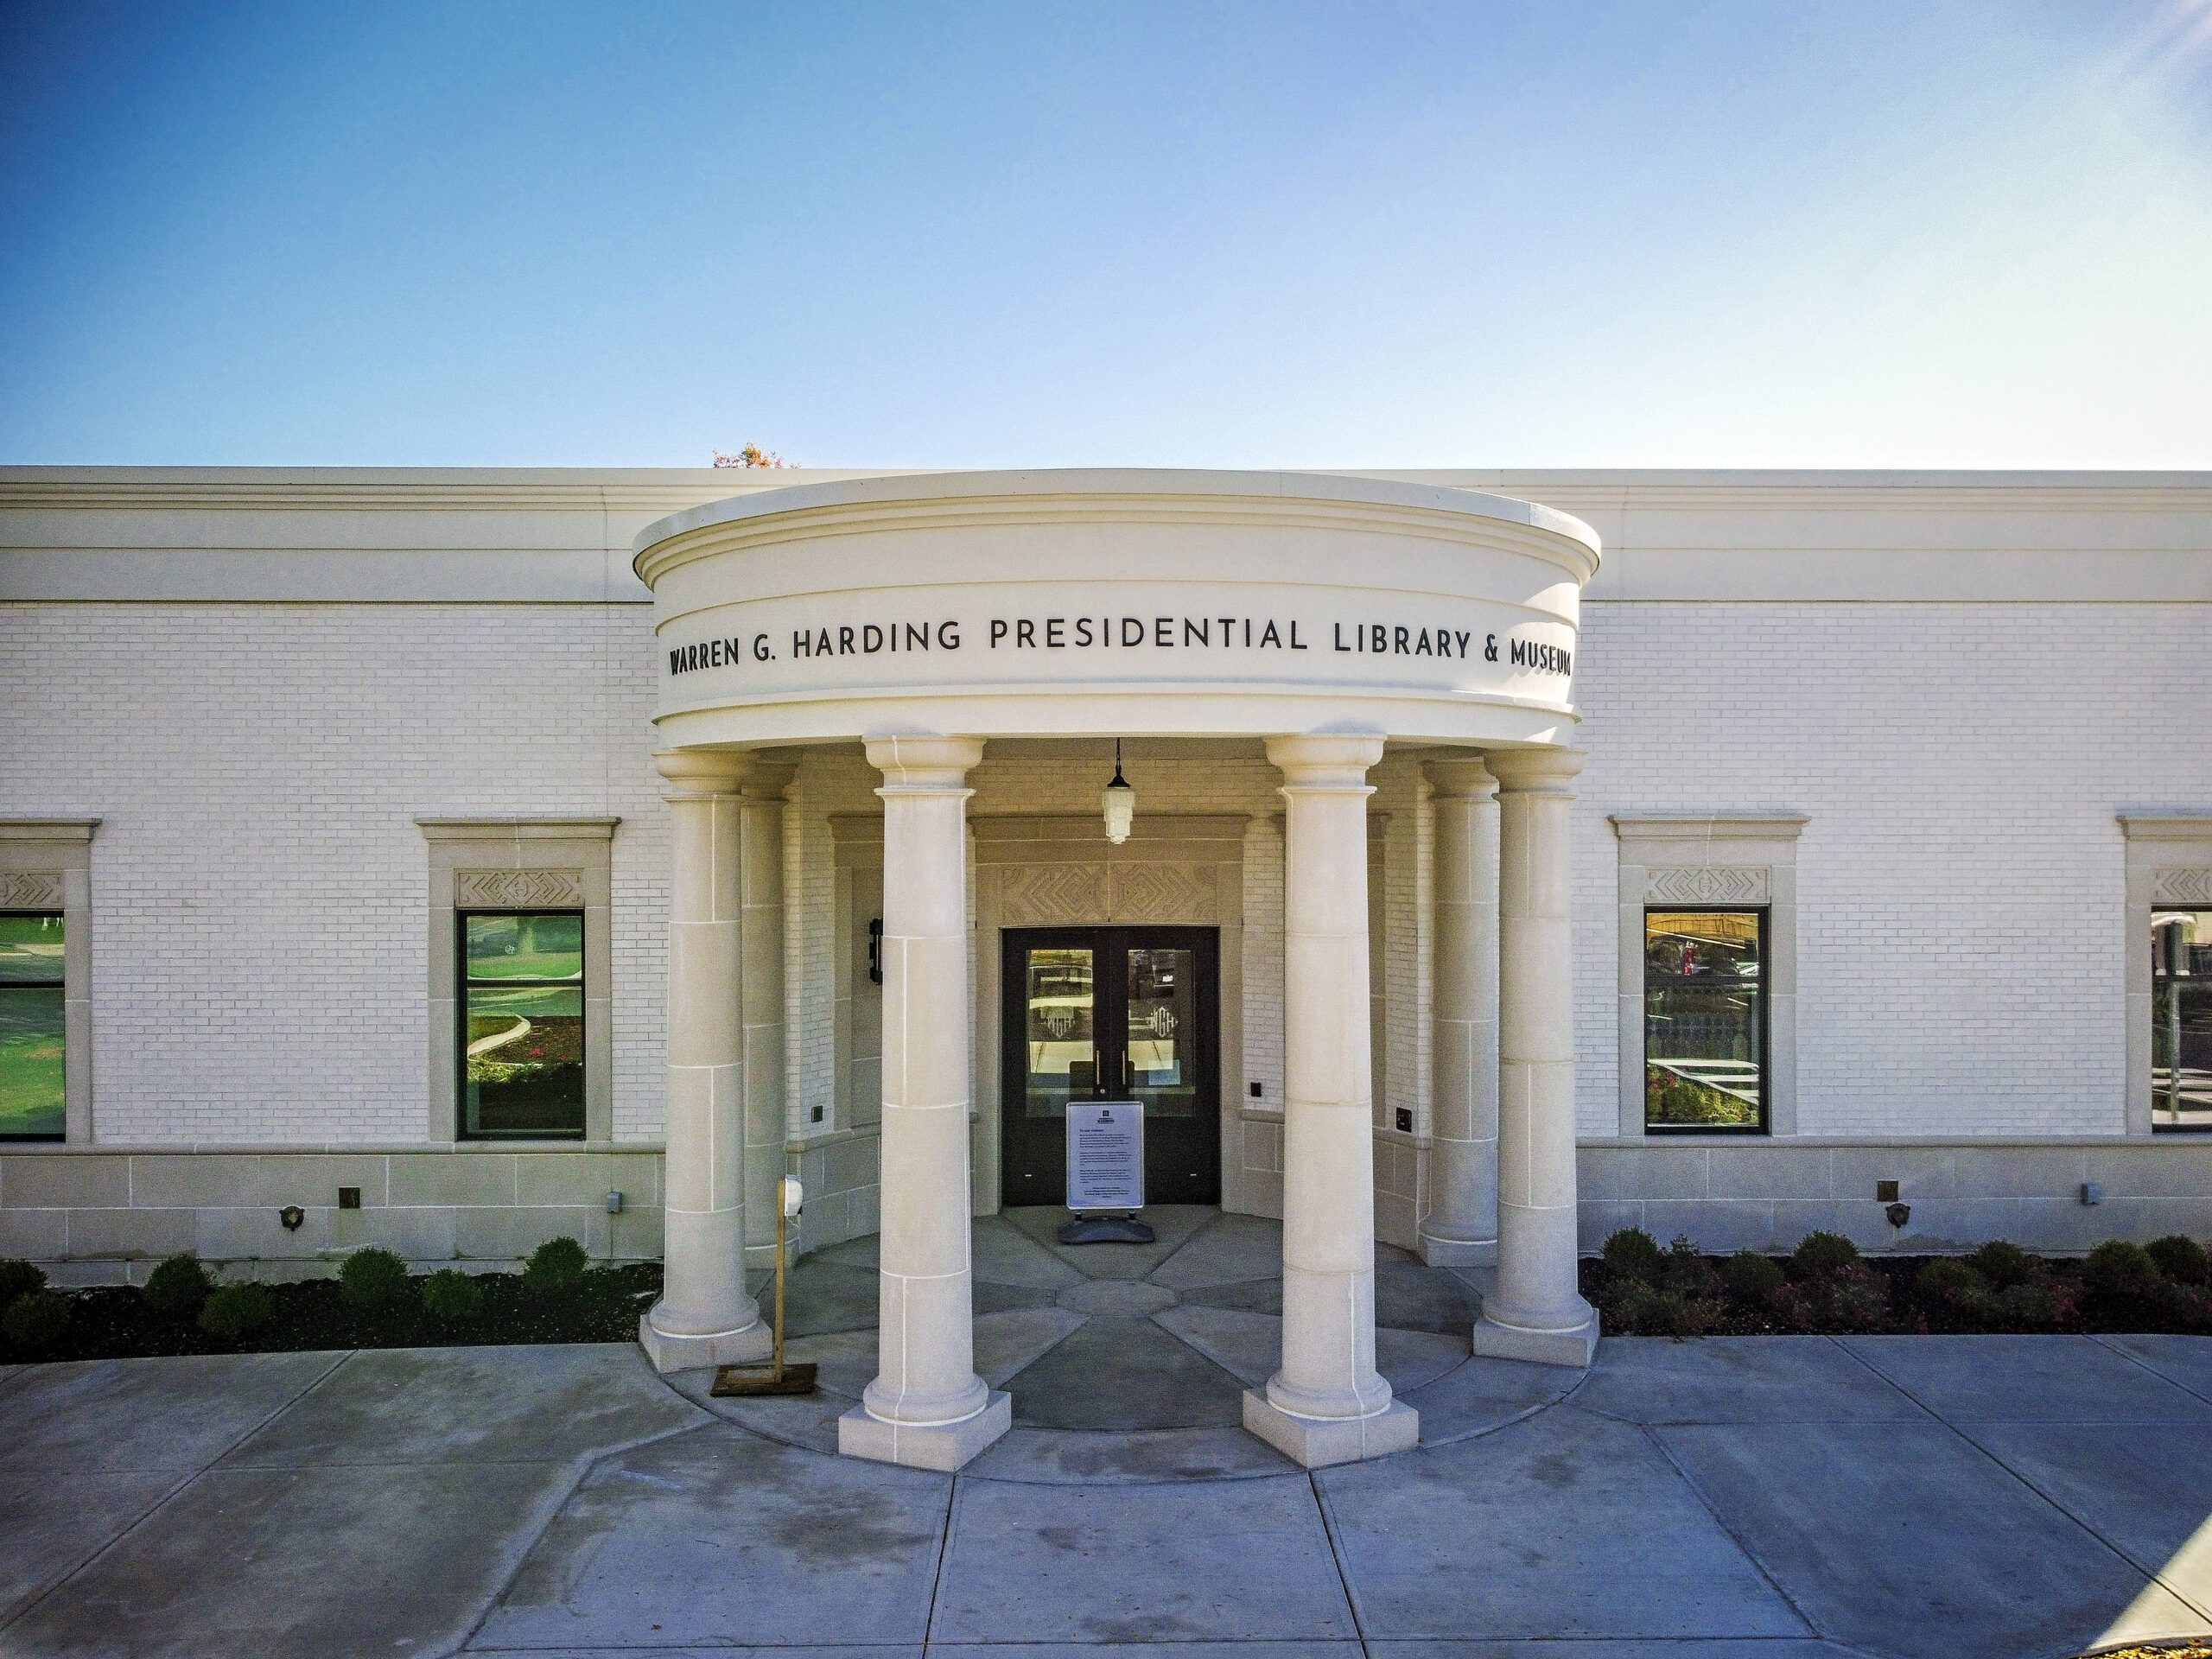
{"points": [[31, 890], [1047, 895], [2182, 888], [517, 889], [1711, 884], [1160, 893]]}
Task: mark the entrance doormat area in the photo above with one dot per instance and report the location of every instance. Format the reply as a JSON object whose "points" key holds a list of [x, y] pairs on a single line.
{"points": [[1826, 1287], [121, 1322]]}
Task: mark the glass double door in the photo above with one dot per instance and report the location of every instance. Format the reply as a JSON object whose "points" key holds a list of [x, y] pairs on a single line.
{"points": [[1112, 1014]]}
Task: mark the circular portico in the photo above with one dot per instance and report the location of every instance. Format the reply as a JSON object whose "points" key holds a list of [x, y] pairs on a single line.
{"points": [[1332, 619]]}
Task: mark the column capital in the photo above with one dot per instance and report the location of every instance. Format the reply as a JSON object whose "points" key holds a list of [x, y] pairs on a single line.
{"points": [[1533, 771], [1325, 759], [692, 773], [924, 764], [765, 776], [1461, 777]]}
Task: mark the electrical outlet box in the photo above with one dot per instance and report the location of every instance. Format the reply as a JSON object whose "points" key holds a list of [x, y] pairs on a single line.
{"points": [[613, 1204], [349, 1198], [1405, 1120], [2093, 1193], [1885, 1192]]}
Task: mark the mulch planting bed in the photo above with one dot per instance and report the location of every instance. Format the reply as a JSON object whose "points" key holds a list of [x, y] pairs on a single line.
{"points": [[119, 1322], [1826, 1287]]}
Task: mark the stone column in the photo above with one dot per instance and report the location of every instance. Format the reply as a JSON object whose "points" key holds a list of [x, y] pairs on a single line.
{"points": [[926, 1407], [1328, 1403], [1460, 1229], [704, 1316], [1536, 1312], [760, 999]]}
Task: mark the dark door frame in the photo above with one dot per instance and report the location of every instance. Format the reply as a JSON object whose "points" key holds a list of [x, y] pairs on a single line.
{"points": [[1019, 1136]]}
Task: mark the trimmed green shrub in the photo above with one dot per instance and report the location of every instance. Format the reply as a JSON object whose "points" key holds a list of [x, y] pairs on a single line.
{"points": [[370, 1279], [2181, 1258], [1686, 1272], [1950, 1279], [35, 1319], [1750, 1277], [1818, 1254], [452, 1296], [234, 1311], [178, 1286], [18, 1279], [556, 1264], [1849, 1298], [2037, 1304], [1644, 1311], [2003, 1263], [2117, 1267], [1633, 1256]]}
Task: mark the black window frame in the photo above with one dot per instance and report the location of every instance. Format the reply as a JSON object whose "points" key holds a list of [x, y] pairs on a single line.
{"points": [[462, 983], [2203, 1126], [1766, 1124], [61, 984]]}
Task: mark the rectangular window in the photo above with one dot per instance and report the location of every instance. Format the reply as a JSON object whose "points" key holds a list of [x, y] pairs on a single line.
{"points": [[521, 1039], [1704, 1021], [32, 1032], [2181, 1018]]}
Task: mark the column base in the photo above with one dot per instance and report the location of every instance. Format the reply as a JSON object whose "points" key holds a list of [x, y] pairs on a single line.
{"points": [[1576, 1346], [668, 1353], [1316, 1442], [942, 1446], [1457, 1252]]}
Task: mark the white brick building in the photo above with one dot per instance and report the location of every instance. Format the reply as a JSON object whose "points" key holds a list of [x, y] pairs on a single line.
{"points": [[1947, 737]]}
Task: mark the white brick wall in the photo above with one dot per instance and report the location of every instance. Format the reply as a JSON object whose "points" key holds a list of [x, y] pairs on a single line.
{"points": [[259, 878], [1959, 880], [260, 882]]}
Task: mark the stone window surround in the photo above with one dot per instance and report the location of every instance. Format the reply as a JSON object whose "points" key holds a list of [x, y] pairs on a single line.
{"points": [[516, 863], [2169, 860], [1718, 858], [46, 864]]}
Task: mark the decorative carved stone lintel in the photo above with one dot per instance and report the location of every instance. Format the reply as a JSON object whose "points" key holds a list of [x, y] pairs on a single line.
{"points": [[31, 890], [2182, 886], [1047, 895], [518, 889], [1711, 884]]}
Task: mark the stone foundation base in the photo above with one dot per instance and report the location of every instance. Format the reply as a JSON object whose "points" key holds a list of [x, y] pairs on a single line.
{"points": [[1576, 1347], [670, 1353], [1457, 1252], [1316, 1442], [943, 1446]]}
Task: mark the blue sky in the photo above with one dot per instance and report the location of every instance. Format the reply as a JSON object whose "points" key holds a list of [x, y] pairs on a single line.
{"points": [[1672, 234]]}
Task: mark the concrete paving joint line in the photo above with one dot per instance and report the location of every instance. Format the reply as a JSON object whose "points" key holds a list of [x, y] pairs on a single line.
{"points": [[190, 1477]]}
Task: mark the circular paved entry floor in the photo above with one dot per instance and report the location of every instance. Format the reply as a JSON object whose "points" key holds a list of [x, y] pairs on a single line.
{"points": [[1129, 1361]]}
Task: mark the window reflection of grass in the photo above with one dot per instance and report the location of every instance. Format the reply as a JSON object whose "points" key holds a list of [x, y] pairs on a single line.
{"points": [[31, 1062], [541, 964], [525, 947]]}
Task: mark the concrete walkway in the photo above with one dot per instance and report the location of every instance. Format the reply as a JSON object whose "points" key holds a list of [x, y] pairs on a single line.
{"points": [[1749, 1499]]}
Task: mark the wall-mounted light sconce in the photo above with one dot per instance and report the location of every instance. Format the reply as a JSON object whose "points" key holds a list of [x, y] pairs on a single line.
{"points": [[1120, 801], [292, 1216], [875, 950]]}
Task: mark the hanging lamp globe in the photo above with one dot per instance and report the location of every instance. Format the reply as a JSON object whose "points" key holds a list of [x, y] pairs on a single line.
{"points": [[1119, 801]]}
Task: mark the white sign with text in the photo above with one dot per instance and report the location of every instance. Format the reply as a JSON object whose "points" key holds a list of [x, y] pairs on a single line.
{"points": [[1105, 1154]]}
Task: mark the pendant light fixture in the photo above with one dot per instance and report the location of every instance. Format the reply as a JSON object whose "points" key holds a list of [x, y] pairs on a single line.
{"points": [[1120, 801]]}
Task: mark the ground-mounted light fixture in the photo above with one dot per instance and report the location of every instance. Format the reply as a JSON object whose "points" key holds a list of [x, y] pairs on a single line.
{"points": [[1120, 801]]}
